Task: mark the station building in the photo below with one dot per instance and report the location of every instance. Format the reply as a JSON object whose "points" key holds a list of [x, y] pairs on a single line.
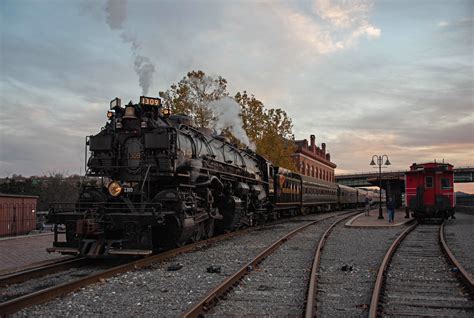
{"points": [[313, 161]]}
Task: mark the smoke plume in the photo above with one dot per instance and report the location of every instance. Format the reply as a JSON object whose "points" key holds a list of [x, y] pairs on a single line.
{"points": [[227, 111], [116, 11]]}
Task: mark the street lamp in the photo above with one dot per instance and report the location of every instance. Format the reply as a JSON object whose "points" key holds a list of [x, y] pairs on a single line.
{"points": [[379, 163]]}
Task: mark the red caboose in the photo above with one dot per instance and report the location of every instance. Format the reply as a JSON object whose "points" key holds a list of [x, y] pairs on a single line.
{"points": [[430, 190]]}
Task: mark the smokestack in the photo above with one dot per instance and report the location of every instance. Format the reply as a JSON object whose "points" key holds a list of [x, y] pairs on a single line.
{"points": [[305, 146], [323, 146], [328, 156], [313, 141]]}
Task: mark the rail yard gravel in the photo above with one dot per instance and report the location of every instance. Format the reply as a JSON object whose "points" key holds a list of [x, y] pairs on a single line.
{"points": [[420, 281], [278, 286], [36, 284], [158, 291], [459, 235], [348, 269]]}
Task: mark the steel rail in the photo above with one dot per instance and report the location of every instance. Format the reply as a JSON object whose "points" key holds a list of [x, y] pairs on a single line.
{"points": [[464, 275], [39, 271], [41, 296], [211, 298], [311, 308], [374, 303], [13, 270]]}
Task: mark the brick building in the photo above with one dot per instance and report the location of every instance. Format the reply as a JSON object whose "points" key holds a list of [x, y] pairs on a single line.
{"points": [[313, 161]]}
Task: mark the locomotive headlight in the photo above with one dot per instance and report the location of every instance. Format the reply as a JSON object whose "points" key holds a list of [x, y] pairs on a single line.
{"points": [[114, 188], [166, 112]]}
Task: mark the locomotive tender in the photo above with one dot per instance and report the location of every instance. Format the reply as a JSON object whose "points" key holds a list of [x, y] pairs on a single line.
{"points": [[430, 190], [164, 182]]}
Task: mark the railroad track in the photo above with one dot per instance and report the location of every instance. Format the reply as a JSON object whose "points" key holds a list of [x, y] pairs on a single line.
{"points": [[25, 274], [45, 294], [210, 300], [416, 279]]}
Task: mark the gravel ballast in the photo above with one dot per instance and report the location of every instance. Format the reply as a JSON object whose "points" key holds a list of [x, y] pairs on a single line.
{"points": [[157, 291], [348, 270], [420, 281], [278, 287], [459, 234]]}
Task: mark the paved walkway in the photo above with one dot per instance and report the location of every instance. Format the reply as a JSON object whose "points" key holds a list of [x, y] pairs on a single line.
{"points": [[25, 250], [361, 220]]}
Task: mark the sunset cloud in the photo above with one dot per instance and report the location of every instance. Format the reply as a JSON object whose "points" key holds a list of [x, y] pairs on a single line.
{"points": [[340, 25], [366, 78]]}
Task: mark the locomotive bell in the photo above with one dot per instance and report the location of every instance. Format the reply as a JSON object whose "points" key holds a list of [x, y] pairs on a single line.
{"points": [[129, 112]]}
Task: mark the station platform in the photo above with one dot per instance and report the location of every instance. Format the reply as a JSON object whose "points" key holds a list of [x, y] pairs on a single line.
{"points": [[372, 220], [20, 251]]}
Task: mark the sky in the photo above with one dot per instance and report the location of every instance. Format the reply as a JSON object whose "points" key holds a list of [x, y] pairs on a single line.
{"points": [[366, 77]]}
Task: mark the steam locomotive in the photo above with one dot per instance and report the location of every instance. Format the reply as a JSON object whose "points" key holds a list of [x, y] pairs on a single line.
{"points": [[163, 182]]}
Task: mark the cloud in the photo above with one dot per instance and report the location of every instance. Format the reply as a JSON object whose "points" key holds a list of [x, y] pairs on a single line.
{"points": [[340, 26], [408, 94], [41, 132], [348, 15], [443, 24], [361, 145]]}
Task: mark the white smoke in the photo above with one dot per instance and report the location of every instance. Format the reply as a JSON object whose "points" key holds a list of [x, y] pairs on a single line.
{"points": [[116, 11], [227, 112]]}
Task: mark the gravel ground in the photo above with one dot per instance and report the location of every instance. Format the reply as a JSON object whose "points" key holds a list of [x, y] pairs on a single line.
{"points": [[278, 287], [459, 234], [36, 284], [348, 270], [157, 291], [420, 281]]}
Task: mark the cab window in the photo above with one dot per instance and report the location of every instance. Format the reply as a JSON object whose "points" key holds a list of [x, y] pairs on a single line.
{"points": [[217, 149], [445, 183], [185, 145], [429, 182]]}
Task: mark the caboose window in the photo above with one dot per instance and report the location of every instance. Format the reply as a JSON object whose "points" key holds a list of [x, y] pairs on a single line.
{"points": [[429, 182], [445, 183]]}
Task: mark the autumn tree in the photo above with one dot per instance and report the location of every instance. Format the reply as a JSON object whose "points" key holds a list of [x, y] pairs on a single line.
{"points": [[192, 95], [269, 129]]}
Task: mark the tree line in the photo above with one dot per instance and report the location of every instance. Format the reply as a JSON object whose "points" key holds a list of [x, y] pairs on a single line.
{"points": [[52, 188]]}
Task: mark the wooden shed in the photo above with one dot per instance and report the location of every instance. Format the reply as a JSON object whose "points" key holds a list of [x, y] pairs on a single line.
{"points": [[17, 214]]}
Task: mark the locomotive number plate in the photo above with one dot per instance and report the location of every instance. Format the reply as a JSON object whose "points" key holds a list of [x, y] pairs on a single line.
{"points": [[127, 190], [135, 156], [151, 101]]}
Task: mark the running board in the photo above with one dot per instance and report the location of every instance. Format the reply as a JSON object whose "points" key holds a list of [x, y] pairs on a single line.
{"points": [[130, 252], [63, 250]]}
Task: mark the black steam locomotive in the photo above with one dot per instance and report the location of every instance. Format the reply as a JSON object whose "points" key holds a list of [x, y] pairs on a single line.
{"points": [[163, 183]]}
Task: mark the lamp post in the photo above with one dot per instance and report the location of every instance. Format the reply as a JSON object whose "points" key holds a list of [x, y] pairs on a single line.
{"points": [[380, 163]]}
